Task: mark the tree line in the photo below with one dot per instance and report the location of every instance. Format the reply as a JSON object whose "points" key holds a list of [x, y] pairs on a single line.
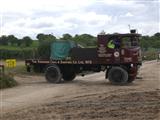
{"points": [[11, 40], [148, 42], [44, 40], [83, 39]]}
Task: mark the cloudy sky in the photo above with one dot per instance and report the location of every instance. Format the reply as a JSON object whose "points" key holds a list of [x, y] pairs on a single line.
{"points": [[30, 17]]}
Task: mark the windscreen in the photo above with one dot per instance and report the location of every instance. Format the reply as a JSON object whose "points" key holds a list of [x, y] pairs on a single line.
{"points": [[129, 42]]}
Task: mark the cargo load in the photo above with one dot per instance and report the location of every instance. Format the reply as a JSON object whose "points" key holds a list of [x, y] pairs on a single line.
{"points": [[60, 49]]}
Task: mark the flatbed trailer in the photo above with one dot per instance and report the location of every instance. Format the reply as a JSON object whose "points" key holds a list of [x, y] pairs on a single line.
{"points": [[120, 64]]}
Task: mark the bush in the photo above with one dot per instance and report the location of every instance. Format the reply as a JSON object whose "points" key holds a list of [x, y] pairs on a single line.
{"points": [[44, 50], [17, 54], [7, 81], [151, 54]]}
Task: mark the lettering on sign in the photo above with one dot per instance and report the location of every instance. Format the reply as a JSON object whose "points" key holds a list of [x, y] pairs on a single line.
{"points": [[105, 55], [102, 51], [11, 63], [73, 62]]}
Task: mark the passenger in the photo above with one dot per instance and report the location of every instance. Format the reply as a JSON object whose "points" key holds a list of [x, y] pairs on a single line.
{"points": [[117, 43]]}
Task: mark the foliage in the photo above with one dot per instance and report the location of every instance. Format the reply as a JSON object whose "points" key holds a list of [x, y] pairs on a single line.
{"points": [[66, 37], [27, 41], [4, 40], [11, 40], [17, 53], [85, 40], [150, 55], [45, 40], [45, 37], [7, 81], [150, 42], [44, 50], [12, 47], [150, 46]]}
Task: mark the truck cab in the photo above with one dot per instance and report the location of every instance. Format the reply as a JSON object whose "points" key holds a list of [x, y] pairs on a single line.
{"points": [[128, 50], [127, 54]]}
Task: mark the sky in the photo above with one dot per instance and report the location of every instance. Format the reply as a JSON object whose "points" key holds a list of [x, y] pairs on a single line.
{"points": [[31, 17]]}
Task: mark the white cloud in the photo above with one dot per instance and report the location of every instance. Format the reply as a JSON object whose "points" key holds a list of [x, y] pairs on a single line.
{"points": [[30, 17], [51, 5], [129, 14]]}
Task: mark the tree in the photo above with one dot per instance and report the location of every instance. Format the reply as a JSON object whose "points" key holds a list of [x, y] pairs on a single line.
{"points": [[4, 40], [19, 42], [144, 42], [44, 49], [157, 34], [50, 37], [155, 40], [12, 39], [27, 41], [40, 37], [45, 37], [66, 37], [45, 40], [85, 40]]}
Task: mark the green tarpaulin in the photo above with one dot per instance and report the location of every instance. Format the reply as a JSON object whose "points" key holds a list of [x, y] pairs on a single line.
{"points": [[60, 49]]}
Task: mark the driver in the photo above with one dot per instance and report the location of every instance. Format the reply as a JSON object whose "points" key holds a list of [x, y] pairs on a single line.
{"points": [[111, 44]]}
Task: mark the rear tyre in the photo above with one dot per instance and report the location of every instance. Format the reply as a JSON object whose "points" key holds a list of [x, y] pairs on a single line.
{"points": [[53, 74], [69, 76], [118, 75]]}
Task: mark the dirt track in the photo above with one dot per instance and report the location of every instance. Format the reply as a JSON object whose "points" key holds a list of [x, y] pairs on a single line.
{"points": [[91, 97]]}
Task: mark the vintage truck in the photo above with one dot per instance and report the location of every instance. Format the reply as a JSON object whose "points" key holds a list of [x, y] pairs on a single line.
{"points": [[68, 60]]}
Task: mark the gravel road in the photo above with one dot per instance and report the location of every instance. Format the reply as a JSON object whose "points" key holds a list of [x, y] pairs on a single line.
{"points": [[89, 97]]}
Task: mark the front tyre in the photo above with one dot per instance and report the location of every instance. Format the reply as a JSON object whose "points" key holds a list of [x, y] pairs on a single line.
{"points": [[53, 74], [118, 75]]}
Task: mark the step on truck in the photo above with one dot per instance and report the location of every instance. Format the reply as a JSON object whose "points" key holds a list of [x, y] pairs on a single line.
{"points": [[118, 55]]}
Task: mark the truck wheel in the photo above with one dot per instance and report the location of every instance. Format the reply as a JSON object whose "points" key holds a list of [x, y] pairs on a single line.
{"points": [[69, 76], [53, 74], [118, 75]]}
